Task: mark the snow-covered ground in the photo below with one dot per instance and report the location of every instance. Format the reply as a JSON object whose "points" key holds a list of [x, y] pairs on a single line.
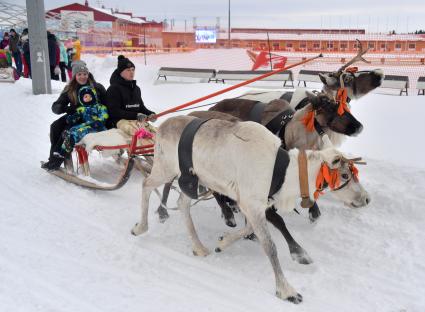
{"points": [[65, 248]]}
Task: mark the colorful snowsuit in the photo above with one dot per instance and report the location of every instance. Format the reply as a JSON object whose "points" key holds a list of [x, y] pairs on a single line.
{"points": [[90, 117]]}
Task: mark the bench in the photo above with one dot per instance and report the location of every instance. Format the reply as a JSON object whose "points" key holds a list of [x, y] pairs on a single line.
{"points": [[223, 75], [421, 86], [396, 82], [186, 72], [310, 76]]}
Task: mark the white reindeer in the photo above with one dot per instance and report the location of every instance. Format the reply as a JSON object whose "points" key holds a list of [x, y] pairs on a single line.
{"points": [[237, 160]]}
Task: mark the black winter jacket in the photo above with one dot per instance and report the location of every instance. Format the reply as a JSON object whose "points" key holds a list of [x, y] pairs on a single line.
{"points": [[124, 100], [51, 44], [63, 103]]}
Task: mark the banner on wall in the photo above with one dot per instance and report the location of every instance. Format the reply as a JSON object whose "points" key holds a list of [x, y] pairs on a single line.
{"points": [[77, 20]]}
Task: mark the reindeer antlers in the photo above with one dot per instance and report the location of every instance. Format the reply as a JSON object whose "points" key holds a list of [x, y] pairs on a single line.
{"points": [[357, 58], [356, 160]]}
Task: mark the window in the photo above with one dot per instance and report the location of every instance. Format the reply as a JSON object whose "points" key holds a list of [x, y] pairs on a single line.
{"points": [[343, 45], [303, 45], [412, 46], [398, 46], [383, 46], [316, 45], [330, 45], [275, 45], [371, 45], [289, 45]]}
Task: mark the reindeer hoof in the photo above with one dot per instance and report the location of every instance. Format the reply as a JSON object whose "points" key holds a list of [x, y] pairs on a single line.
{"points": [[231, 222], [301, 258], [314, 213], [217, 249], [252, 237], [138, 229], [295, 299], [163, 214], [201, 252]]}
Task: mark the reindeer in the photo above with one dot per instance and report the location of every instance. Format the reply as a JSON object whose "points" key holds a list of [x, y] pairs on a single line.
{"points": [[294, 134], [252, 154], [357, 83]]}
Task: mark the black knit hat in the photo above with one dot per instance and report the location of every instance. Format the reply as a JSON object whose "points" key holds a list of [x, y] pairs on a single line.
{"points": [[124, 63]]}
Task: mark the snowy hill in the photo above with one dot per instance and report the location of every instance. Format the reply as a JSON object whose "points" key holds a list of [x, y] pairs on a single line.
{"points": [[64, 248]]}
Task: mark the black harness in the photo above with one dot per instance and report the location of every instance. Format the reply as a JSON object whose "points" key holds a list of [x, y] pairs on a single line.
{"points": [[188, 180], [277, 125], [279, 171]]}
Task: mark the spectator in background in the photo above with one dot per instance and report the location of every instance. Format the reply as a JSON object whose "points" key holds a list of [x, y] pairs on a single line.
{"points": [[26, 51], [5, 41], [14, 42], [77, 50], [54, 56], [63, 61], [70, 54]]}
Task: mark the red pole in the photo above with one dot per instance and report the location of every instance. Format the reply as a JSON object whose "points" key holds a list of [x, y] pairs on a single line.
{"points": [[171, 110]]}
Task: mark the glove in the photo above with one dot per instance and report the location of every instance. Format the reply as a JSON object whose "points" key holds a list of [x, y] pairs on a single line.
{"points": [[152, 117], [57, 71], [141, 117]]}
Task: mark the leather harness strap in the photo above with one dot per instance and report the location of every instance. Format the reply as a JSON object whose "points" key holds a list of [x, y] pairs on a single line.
{"points": [[279, 171], [188, 180], [306, 202], [256, 112], [280, 120], [277, 125]]}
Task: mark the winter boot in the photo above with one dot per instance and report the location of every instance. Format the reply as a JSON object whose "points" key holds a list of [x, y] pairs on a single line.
{"points": [[54, 162]]}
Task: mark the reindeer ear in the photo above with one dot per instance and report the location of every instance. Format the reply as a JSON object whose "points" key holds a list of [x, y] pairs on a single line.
{"points": [[328, 80], [314, 100], [311, 96]]}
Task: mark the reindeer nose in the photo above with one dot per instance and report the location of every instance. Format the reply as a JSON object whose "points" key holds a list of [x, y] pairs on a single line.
{"points": [[367, 199]]}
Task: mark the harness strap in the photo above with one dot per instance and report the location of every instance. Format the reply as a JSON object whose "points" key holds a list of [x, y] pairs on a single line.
{"points": [[256, 112], [318, 128], [279, 171], [306, 202], [188, 181], [302, 103], [280, 120]]}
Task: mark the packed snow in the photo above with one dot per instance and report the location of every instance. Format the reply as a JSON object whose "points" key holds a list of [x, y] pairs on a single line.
{"points": [[65, 248]]}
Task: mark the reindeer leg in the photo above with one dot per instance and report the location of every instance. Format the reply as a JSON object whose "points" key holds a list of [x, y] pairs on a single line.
{"points": [[229, 238], [259, 223], [314, 213], [298, 254], [184, 207], [162, 211], [225, 209], [154, 180]]}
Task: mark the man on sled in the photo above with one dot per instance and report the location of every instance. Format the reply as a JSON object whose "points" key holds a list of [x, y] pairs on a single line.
{"points": [[127, 111]]}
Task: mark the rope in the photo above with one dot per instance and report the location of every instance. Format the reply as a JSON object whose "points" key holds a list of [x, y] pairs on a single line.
{"points": [[172, 110]]}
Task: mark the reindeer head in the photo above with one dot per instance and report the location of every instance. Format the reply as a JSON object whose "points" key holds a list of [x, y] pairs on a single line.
{"points": [[326, 114], [344, 180], [358, 83]]}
